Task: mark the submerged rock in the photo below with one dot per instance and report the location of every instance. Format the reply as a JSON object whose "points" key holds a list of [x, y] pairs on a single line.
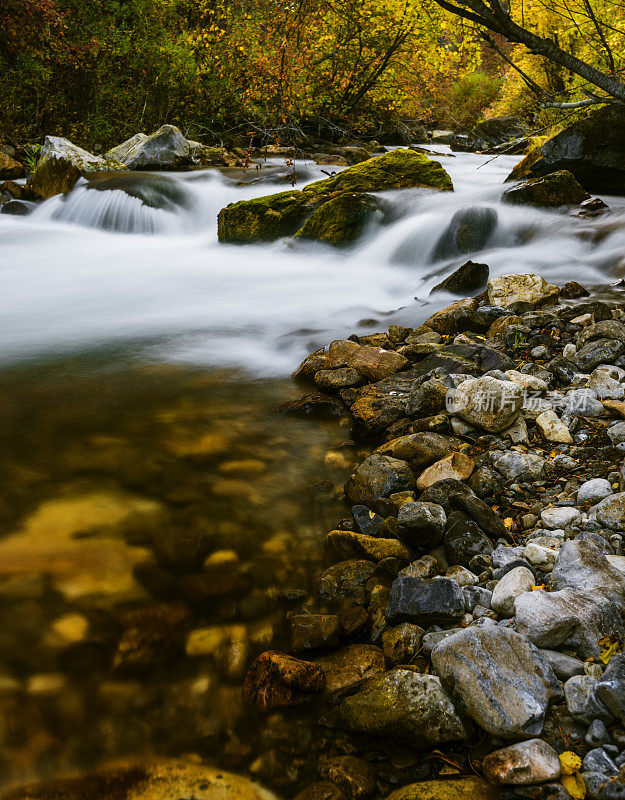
{"points": [[277, 679], [406, 706], [468, 231], [501, 680]]}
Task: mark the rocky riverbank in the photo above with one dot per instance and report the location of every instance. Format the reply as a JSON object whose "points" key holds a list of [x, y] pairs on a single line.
{"points": [[471, 614]]}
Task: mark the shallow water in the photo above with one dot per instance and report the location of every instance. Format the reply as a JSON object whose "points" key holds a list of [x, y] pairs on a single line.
{"points": [[141, 368]]}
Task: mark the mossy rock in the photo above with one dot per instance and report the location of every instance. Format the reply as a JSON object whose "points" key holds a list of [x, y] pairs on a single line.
{"points": [[399, 169], [339, 221], [524, 168], [265, 219], [551, 191]]}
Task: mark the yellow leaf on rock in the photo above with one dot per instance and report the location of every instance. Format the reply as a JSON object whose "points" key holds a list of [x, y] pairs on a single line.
{"points": [[508, 522], [575, 786], [570, 762], [610, 646]]}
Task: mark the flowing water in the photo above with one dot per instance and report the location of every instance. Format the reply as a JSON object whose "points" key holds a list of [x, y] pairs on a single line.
{"points": [[143, 458]]}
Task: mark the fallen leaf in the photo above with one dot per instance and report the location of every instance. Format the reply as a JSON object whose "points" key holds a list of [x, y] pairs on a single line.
{"points": [[570, 762], [575, 786]]}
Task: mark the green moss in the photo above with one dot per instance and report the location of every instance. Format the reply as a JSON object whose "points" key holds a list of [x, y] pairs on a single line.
{"points": [[399, 169], [524, 168], [339, 221], [551, 191], [264, 219]]}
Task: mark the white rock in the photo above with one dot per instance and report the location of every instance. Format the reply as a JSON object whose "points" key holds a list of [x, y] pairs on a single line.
{"points": [[618, 562], [584, 320], [569, 350], [554, 518], [552, 428], [527, 288], [462, 576], [513, 584], [543, 558], [593, 491]]}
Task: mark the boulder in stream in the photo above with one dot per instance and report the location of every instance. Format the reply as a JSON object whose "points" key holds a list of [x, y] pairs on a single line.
{"points": [[468, 231], [549, 191]]}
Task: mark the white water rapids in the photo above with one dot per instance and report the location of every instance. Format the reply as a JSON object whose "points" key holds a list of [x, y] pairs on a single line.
{"points": [[101, 268]]}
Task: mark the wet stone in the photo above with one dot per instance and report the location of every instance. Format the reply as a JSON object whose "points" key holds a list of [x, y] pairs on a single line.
{"points": [[464, 539], [276, 679], [421, 525], [433, 602], [533, 761], [313, 632], [350, 666], [378, 476], [354, 776]]}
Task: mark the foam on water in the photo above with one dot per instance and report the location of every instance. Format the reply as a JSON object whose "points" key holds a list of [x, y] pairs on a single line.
{"points": [[102, 267]]}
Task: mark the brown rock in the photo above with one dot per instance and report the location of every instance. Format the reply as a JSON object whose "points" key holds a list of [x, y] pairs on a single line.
{"points": [[312, 405], [445, 321], [376, 364], [344, 545], [351, 665], [420, 449], [457, 789], [324, 790], [277, 679], [354, 776], [456, 466], [9, 167]]}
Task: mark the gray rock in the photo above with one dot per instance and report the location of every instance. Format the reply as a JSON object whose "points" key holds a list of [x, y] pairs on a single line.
{"points": [[598, 760], [423, 602], [582, 566], [513, 584], [564, 666], [476, 595], [593, 491], [501, 680], [598, 787], [581, 702], [502, 555], [166, 148], [405, 706], [488, 403], [568, 619], [553, 518], [430, 640], [464, 539], [610, 688], [617, 433], [520, 466], [533, 761], [421, 525], [584, 403], [378, 476], [597, 734]]}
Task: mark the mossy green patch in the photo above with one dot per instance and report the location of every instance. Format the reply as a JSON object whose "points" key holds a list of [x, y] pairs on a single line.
{"points": [[339, 221], [265, 219]]}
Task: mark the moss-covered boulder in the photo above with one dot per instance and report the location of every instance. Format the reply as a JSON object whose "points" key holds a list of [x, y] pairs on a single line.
{"points": [[304, 213], [265, 219], [340, 221], [524, 168], [399, 169], [551, 191]]}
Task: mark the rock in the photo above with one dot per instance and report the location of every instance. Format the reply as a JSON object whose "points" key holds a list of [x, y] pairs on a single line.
{"points": [[340, 221], [456, 466], [427, 399], [471, 788], [553, 518], [597, 352], [502, 681], [333, 380], [610, 688], [345, 581], [467, 278], [552, 428], [420, 449], [610, 512], [533, 761], [61, 163], [343, 545], [454, 495], [524, 288], [355, 777], [157, 779], [488, 403], [367, 521], [616, 433], [17, 208], [323, 790], [551, 191], [567, 619], [313, 632], [597, 760], [405, 706], [375, 363], [583, 567], [10, 168], [166, 148], [540, 557], [421, 525], [468, 231], [497, 130], [513, 584], [425, 602], [592, 149], [397, 169], [378, 476], [314, 405], [581, 702], [476, 595], [464, 539], [350, 666], [402, 643], [265, 219], [564, 666], [519, 466], [277, 679]]}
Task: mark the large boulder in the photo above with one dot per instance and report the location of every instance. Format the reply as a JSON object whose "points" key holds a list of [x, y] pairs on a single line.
{"points": [[497, 131], [404, 706], [499, 678], [62, 163], [549, 191], [593, 149], [304, 213], [166, 148], [583, 567], [523, 288]]}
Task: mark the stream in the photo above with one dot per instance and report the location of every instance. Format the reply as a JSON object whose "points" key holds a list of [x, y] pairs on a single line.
{"points": [[144, 461]]}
